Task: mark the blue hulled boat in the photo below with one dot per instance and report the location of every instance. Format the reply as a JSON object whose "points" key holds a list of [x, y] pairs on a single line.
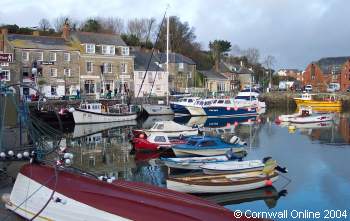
{"points": [[227, 111], [207, 146], [179, 107]]}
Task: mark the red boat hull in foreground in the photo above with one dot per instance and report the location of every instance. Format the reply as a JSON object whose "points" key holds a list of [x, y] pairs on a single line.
{"points": [[78, 197]]}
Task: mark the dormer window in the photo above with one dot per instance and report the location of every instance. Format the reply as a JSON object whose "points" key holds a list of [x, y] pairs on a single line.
{"points": [[125, 50], [90, 48], [108, 49]]}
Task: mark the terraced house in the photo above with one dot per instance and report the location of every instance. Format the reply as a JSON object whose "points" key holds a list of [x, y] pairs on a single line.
{"points": [[105, 65], [49, 64]]}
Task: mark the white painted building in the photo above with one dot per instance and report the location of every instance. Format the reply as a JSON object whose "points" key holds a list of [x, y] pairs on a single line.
{"points": [[154, 81]]}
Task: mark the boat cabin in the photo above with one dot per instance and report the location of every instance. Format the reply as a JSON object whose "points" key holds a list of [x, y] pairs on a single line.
{"points": [[93, 107], [159, 138], [202, 103], [187, 100], [204, 142]]}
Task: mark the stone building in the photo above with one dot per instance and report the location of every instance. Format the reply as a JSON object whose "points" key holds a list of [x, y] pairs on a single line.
{"points": [[105, 64], [154, 81], [182, 71], [328, 70], [49, 64]]}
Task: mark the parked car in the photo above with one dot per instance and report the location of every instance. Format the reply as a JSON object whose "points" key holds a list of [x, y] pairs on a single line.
{"points": [[333, 87], [308, 88]]}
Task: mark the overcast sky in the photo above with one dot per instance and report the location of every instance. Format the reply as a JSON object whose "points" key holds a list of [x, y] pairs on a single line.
{"points": [[296, 32]]}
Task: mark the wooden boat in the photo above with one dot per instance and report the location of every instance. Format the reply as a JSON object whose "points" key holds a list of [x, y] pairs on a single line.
{"points": [[195, 163], [231, 167], [154, 142], [79, 197], [157, 109], [206, 146], [222, 183], [307, 99], [89, 113], [170, 128]]}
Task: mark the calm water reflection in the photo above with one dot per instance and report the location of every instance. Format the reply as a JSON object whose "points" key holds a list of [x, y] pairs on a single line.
{"points": [[316, 156]]}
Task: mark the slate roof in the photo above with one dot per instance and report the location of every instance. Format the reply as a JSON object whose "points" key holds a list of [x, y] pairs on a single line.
{"points": [[213, 75], [39, 42], [176, 58], [330, 64], [142, 59], [244, 70], [98, 38]]}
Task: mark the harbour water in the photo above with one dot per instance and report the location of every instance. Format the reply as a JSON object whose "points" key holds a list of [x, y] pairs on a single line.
{"points": [[316, 156]]}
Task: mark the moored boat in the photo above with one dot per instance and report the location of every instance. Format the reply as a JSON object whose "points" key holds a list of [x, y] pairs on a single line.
{"points": [[207, 146], [314, 118], [79, 197], [170, 128], [196, 109], [222, 183], [228, 110], [89, 113], [307, 99], [157, 109], [154, 142], [231, 167], [179, 107]]}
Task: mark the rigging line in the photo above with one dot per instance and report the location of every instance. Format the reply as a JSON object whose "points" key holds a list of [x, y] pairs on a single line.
{"points": [[149, 62], [155, 77]]}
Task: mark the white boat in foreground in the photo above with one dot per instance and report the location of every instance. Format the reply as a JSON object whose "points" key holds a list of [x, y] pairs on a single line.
{"points": [[89, 113], [230, 167]]}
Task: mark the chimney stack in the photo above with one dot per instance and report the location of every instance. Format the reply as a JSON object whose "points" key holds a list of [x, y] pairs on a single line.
{"points": [[65, 31]]}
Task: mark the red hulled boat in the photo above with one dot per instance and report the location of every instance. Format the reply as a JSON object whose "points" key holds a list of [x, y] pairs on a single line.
{"points": [[79, 197]]}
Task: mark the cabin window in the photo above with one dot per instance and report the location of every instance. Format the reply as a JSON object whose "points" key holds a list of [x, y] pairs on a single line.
{"points": [[89, 107], [83, 106], [227, 102], [159, 139], [201, 103], [160, 126], [220, 102], [208, 103]]}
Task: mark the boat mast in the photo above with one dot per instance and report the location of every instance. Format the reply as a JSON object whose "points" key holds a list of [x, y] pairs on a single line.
{"points": [[167, 57]]}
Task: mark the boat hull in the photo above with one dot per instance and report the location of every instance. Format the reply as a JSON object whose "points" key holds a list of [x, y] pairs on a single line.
{"points": [[193, 163], [157, 109], [218, 187], [196, 111], [313, 103], [227, 111], [311, 119], [80, 198], [205, 152], [179, 109], [86, 117]]}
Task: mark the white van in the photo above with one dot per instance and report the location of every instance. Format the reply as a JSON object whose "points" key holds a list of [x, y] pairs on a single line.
{"points": [[308, 88], [333, 87]]}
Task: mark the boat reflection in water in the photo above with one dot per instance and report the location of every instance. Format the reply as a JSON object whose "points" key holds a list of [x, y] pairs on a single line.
{"points": [[268, 194], [149, 121]]}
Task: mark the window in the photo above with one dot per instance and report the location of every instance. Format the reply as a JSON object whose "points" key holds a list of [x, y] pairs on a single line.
{"points": [[107, 68], [160, 139], [52, 56], [90, 48], [89, 86], [220, 101], [89, 66], [334, 77], [207, 143], [4, 64], [53, 72], [39, 56], [108, 49], [220, 86], [181, 66], [53, 90], [66, 57], [124, 68], [227, 102], [25, 56], [160, 126], [141, 75], [66, 72], [5, 75], [125, 51]]}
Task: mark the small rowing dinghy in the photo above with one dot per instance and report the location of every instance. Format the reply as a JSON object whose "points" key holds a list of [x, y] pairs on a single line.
{"points": [[230, 167]]}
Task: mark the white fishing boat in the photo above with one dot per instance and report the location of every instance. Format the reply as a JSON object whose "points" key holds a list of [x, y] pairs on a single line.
{"points": [[170, 128], [179, 107], [230, 167], [89, 113], [221, 183], [303, 111], [249, 98], [314, 118], [157, 109]]}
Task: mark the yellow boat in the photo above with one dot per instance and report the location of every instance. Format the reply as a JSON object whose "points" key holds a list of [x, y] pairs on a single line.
{"points": [[307, 100]]}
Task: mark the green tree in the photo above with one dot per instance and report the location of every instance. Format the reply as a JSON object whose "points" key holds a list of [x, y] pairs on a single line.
{"points": [[131, 40], [218, 47], [91, 25]]}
